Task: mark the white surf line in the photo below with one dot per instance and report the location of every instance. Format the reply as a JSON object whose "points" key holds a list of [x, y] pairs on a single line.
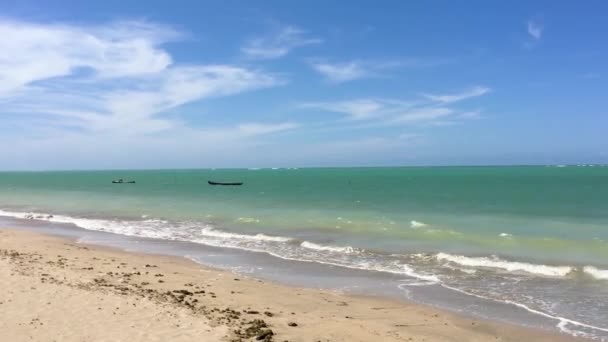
{"points": [[562, 320], [431, 279], [213, 233]]}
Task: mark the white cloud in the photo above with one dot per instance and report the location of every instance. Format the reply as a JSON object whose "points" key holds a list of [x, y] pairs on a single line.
{"points": [[250, 129], [476, 114], [384, 111], [112, 78], [278, 44], [342, 72], [434, 111], [358, 109], [535, 30], [467, 94], [424, 114], [39, 51], [357, 69], [229, 145], [74, 96]]}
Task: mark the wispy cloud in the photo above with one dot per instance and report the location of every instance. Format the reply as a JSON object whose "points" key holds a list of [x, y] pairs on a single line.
{"points": [[475, 114], [250, 129], [112, 78], [358, 109], [343, 72], [278, 44], [423, 114], [535, 30], [360, 69], [381, 110], [41, 52], [430, 109], [466, 94]]}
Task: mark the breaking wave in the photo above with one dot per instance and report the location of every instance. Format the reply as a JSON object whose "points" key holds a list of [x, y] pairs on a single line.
{"points": [[510, 266], [278, 246], [212, 232], [336, 249], [596, 272], [417, 224], [420, 269]]}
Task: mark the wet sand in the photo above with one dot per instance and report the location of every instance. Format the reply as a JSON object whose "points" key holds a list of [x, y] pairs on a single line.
{"points": [[54, 289]]}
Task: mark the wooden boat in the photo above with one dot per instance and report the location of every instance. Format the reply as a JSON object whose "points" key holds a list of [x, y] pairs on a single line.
{"points": [[120, 181], [224, 183]]}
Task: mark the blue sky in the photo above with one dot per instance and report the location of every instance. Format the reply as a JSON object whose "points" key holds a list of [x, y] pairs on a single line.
{"points": [[125, 84]]}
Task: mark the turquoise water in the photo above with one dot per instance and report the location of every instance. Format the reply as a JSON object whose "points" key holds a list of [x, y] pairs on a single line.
{"points": [[545, 209], [468, 228]]}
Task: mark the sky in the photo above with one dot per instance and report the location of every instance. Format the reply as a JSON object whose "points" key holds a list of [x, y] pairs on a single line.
{"points": [[204, 84]]}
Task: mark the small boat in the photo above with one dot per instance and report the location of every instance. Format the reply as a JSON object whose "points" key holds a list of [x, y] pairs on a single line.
{"points": [[122, 181], [224, 183]]}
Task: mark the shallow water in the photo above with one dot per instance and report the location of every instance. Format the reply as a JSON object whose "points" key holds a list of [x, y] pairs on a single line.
{"points": [[535, 238]]}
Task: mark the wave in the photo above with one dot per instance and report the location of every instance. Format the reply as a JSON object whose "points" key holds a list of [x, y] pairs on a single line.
{"points": [[417, 224], [430, 279], [511, 266], [505, 235], [596, 272], [210, 231], [341, 256], [277, 246], [248, 220], [562, 321], [312, 245]]}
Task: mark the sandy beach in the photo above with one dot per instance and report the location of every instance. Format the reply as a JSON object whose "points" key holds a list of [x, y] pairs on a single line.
{"points": [[57, 290]]}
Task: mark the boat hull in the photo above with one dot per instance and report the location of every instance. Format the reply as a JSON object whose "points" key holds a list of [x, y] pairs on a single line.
{"points": [[225, 183]]}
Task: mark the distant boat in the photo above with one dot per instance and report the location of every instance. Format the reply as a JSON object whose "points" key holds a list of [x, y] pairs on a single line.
{"points": [[122, 181], [224, 183]]}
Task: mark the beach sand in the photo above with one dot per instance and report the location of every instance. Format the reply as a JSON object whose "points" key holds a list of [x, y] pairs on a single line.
{"points": [[54, 289]]}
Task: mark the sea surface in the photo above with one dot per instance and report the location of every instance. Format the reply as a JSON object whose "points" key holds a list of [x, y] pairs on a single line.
{"points": [[533, 238]]}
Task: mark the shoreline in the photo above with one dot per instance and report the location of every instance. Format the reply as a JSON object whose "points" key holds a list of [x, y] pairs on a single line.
{"points": [[183, 300]]}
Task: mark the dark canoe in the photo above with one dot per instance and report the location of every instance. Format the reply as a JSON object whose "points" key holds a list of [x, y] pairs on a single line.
{"points": [[224, 183]]}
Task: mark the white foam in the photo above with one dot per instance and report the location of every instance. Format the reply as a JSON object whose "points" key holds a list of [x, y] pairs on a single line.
{"points": [[596, 272], [511, 266], [248, 220], [505, 235], [210, 231], [417, 224], [394, 267], [562, 321], [460, 269], [152, 228], [429, 278], [336, 249], [272, 245]]}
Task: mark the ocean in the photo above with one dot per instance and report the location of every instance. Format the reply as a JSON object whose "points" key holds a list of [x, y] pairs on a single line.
{"points": [[533, 238]]}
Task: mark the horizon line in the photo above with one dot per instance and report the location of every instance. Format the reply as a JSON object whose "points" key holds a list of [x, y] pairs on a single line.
{"points": [[315, 167]]}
